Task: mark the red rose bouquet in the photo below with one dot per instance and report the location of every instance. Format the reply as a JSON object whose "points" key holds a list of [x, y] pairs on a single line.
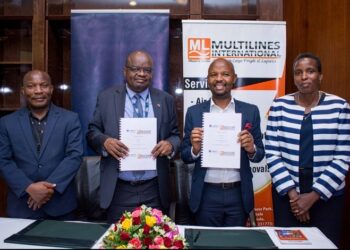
{"points": [[145, 227]]}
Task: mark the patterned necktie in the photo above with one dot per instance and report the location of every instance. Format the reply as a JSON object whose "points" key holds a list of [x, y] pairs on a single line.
{"points": [[138, 112]]}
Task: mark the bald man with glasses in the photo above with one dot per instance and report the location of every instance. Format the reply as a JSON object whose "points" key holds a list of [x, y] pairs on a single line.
{"points": [[124, 190]]}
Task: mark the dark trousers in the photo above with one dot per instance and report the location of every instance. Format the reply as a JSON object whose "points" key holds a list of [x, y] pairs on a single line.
{"points": [[41, 215], [221, 207], [127, 197], [325, 215]]}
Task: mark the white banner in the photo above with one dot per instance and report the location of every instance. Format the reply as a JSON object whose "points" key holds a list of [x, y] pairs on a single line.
{"points": [[258, 51]]}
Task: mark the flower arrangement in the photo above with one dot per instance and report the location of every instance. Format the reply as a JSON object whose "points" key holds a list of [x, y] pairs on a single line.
{"points": [[145, 227]]}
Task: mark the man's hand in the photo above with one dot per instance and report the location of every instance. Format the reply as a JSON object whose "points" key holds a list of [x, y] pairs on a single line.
{"points": [[116, 148], [196, 140], [247, 141], [40, 193], [163, 148], [33, 204]]}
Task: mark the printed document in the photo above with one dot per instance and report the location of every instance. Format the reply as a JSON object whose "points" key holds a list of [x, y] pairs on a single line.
{"points": [[140, 136], [220, 148]]}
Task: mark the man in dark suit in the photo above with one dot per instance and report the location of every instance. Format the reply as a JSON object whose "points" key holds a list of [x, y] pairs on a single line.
{"points": [[222, 197], [40, 152], [125, 190]]}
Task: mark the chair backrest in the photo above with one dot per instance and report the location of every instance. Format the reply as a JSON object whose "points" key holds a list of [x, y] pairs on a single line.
{"points": [[183, 179], [88, 187]]}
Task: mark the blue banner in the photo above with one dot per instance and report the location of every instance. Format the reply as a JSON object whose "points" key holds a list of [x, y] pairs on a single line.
{"points": [[100, 43]]}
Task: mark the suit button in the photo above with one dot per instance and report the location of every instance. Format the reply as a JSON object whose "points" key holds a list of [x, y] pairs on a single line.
{"points": [[39, 166]]}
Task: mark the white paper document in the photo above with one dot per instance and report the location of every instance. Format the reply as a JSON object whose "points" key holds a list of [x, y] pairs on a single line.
{"points": [[140, 136], [220, 148]]}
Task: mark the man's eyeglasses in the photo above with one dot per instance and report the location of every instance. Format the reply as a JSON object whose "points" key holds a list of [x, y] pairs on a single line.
{"points": [[135, 69]]}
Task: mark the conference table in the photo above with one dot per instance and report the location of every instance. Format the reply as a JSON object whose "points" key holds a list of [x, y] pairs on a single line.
{"points": [[317, 240]]}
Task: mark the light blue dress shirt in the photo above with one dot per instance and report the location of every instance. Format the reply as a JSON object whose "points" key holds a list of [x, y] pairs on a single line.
{"points": [[128, 113]]}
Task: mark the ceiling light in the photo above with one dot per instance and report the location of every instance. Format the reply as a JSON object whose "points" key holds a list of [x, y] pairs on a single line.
{"points": [[5, 90], [132, 3], [63, 86]]}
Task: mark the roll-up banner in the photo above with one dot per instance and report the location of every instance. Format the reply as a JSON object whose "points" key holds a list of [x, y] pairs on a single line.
{"points": [[101, 40], [257, 50]]}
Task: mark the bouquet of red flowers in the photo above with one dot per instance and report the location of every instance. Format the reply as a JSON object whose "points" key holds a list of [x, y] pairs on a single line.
{"points": [[145, 227]]}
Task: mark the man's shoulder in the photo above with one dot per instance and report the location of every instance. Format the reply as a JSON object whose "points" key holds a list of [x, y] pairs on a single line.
{"points": [[13, 115], [63, 111], [159, 92], [246, 105], [199, 106], [112, 90]]}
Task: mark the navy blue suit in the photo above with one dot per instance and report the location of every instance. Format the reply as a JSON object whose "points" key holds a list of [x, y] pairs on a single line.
{"points": [[250, 114], [58, 161], [105, 123]]}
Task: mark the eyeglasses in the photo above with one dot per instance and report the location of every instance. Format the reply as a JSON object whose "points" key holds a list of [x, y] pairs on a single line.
{"points": [[135, 69]]}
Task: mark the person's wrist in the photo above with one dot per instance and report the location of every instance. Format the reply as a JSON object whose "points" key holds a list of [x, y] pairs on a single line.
{"points": [[194, 156], [315, 196], [29, 188], [252, 154], [172, 153], [292, 194], [195, 151]]}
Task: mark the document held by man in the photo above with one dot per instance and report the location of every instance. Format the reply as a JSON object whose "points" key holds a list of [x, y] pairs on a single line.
{"points": [[220, 147], [140, 136]]}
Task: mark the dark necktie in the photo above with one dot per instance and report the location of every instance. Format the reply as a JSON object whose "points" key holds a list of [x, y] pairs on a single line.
{"points": [[138, 112]]}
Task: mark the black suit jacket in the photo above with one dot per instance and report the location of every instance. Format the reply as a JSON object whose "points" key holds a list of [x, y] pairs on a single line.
{"points": [[105, 123]]}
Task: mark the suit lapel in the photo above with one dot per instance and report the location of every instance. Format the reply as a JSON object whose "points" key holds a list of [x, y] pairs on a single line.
{"points": [[206, 107], [117, 111], [157, 107], [52, 118], [239, 108], [27, 129]]}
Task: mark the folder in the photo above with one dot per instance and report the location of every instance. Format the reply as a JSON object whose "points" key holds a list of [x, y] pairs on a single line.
{"points": [[228, 239], [59, 234]]}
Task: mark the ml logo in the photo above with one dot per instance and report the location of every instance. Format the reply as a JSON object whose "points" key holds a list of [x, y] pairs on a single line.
{"points": [[198, 49]]}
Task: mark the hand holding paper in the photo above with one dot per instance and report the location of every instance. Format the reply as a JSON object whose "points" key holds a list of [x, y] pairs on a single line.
{"points": [[163, 148], [246, 140], [140, 140], [196, 140], [116, 148], [220, 147]]}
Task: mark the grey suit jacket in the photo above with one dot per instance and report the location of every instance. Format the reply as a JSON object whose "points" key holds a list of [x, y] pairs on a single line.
{"points": [[58, 162], [194, 117], [109, 109]]}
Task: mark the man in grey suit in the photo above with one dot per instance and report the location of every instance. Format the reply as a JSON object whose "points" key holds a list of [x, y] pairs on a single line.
{"points": [[41, 151], [222, 196], [125, 190]]}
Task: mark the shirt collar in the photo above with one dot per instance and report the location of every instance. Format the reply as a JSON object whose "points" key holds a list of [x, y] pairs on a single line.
{"points": [[132, 93], [231, 104], [44, 118]]}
